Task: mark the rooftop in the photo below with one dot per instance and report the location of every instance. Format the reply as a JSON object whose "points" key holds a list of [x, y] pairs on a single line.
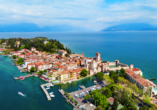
{"points": [[138, 78]]}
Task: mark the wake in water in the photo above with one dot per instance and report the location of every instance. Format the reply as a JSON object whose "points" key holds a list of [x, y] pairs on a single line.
{"points": [[24, 95]]}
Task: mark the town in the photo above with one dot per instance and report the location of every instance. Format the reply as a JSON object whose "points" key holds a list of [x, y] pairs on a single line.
{"points": [[112, 77]]}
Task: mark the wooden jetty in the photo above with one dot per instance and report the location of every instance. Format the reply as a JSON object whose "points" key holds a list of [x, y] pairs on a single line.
{"points": [[45, 91]]}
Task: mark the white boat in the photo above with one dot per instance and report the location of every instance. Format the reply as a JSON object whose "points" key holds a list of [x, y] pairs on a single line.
{"points": [[52, 95], [47, 88], [50, 84], [20, 93]]}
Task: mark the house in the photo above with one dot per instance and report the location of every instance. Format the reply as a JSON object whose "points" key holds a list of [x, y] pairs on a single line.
{"points": [[77, 72], [62, 52], [21, 55], [111, 101], [33, 49], [17, 44], [4, 44], [1, 50], [30, 65], [39, 66], [67, 75], [45, 42]]}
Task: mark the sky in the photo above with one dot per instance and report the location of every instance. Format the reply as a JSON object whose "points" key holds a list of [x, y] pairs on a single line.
{"points": [[91, 14]]}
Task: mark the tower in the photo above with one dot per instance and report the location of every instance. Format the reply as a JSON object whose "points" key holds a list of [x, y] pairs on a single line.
{"points": [[98, 57]]}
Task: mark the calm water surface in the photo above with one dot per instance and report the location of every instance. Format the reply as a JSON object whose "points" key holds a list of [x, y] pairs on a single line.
{"points": [[138, 48]]}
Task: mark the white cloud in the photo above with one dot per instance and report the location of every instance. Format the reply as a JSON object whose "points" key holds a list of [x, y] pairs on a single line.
{"points": [[93, 14]]}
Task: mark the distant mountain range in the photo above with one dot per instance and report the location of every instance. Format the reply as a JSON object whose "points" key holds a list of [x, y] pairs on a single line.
{"points": [[31, 27], [132, 27]]}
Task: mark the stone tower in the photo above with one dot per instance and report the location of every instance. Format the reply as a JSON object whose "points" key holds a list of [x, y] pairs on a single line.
{"points": [[98, 57]]}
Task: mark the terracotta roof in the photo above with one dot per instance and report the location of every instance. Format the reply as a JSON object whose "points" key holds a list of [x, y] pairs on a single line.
{"points": [[135, 69], [138, 78], [4, 43], [111, 99], [39, 63], [31, 64], [77, 70]]}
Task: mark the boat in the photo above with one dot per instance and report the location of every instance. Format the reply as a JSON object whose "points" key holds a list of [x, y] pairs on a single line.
{"points": [[69, 81], [52, 95], [95, 82], [20, 93], [50, 84], [47, 88]]}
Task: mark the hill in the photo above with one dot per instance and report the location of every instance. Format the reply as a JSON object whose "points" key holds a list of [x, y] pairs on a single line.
{"points": [[31, 27], [132, 27]]}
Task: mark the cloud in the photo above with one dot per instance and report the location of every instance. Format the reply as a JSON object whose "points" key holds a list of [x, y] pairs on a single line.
{"points": [[92, 14]]}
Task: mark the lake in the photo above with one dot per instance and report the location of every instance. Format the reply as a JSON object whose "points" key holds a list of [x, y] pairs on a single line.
{"points": [[138, 48]]}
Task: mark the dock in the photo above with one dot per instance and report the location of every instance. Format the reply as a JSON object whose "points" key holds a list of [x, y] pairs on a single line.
{"points": [[23, 77], [45, 91]]}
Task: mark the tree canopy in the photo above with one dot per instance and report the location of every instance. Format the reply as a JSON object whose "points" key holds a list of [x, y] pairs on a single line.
{"points": [[100, 75], [84, 73]]}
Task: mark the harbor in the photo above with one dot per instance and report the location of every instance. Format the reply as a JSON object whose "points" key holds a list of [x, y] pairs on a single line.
{"points": [[48, 96]]}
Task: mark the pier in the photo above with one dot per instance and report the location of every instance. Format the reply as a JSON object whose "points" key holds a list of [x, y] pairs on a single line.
{"points": [[45, 91], [23, 77]]}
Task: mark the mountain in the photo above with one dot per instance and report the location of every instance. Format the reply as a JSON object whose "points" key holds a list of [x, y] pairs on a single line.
{"points": [[31, 27], [132, 27]]}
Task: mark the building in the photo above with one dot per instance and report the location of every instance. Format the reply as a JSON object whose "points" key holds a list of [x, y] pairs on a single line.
{"points": [[62, 52], [139, 81], [136, 70], [4, 44], [45, 42], [67, 75], [17, 44]]}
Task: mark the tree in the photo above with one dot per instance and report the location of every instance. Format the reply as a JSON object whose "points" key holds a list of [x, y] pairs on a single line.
{"points": [[99, 108], [45, 71], [87, 97], [23, 53], [100, 75], [33, 69], [144, 108], [41, 73], [115, 104], [108, 92], [84, 73], [14, 56], [122, 72]]}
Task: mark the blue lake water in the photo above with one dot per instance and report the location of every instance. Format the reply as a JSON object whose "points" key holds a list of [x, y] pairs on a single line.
{"points": [[138, 48]]}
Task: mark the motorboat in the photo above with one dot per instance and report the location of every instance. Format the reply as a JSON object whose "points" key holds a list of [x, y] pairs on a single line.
{"points": [[50, 84], [47, 88], [52, 95], [20, 93]]}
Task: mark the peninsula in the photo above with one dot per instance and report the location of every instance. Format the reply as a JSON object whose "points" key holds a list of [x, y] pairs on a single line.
{"points": [[118, 86]]}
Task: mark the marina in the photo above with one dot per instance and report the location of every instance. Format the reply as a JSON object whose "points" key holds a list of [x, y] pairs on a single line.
{"points": [[48, 95]]}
